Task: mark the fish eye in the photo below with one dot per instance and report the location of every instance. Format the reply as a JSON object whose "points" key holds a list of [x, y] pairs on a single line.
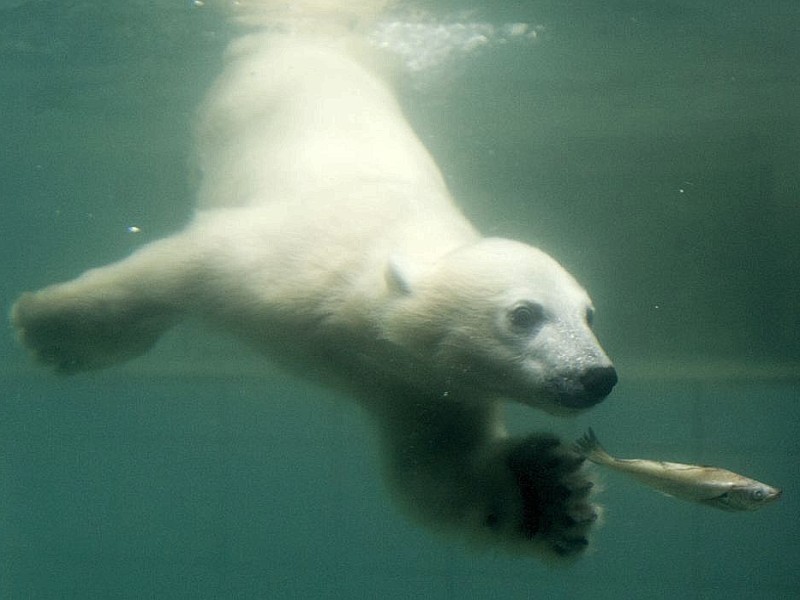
{"points": [[757, 494], [525, 317]]}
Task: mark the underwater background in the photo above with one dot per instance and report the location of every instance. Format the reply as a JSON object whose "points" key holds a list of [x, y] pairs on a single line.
{"points": [[651, 147]]}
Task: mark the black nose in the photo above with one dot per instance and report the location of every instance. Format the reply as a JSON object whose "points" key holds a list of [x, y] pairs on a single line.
{"points": [[599, 381]]}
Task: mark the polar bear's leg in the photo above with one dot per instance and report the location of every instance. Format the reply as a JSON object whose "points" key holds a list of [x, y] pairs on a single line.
{"points": [[452, 467], [110, 314]]}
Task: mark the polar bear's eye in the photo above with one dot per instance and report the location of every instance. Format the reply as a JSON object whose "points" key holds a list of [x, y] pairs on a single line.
{"points": [[589, 316], [526, 317]]}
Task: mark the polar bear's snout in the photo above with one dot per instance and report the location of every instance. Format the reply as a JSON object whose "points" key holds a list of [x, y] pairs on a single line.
{"points": [[579, 389], [575, 371], [597, 383]]}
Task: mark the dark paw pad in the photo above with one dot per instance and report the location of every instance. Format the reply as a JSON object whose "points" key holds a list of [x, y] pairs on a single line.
{"points": [[555, 495]]}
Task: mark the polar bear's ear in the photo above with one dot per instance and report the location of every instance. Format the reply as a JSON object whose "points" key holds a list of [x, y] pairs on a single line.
{"points": [[398, 279]]}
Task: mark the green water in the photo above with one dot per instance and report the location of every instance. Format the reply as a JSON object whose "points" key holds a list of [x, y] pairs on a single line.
{"points": [[652, 147]]}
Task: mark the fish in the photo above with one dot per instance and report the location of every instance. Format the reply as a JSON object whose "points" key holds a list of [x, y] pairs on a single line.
{"points": [[711, 486]]}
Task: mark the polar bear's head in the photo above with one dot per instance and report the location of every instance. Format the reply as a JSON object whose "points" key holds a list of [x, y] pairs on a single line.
{"points": [[502, 318]]}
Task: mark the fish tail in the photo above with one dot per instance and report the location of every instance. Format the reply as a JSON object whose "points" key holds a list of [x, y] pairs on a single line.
{"points": [[589, 447]]}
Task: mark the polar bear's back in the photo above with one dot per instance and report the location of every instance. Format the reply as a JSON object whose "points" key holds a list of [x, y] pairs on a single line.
{"points": [[293, 119]]}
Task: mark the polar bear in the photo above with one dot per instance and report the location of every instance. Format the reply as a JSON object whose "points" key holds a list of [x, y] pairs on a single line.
{"points": [[326, 237]]}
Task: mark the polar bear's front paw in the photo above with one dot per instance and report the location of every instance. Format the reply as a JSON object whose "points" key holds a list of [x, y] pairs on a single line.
{"points": [[556, 511], [71, 332], [60, 331]]}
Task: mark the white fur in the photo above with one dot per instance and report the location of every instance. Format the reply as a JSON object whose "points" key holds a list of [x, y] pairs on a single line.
{"points": [[325, 236]]}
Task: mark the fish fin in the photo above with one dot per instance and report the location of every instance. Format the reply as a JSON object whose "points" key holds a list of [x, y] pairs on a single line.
{"points": [[589, 447], [723, 502]]}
